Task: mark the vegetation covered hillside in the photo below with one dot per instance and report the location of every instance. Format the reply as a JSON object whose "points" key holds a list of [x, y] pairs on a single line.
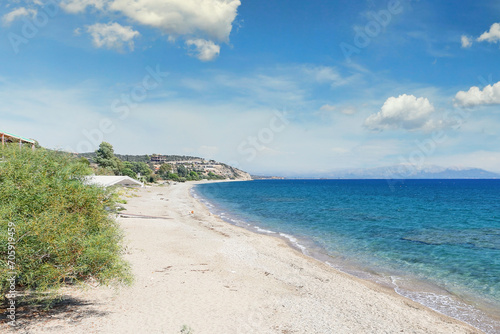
{"points": [[160, 167], [139, 158]]}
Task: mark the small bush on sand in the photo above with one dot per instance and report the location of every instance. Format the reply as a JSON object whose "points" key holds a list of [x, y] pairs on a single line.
{"points": [[186, 330], [62, 231]]}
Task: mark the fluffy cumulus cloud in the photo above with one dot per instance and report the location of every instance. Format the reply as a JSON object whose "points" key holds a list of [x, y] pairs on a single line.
{"points": [[112, 36], [492, 36], [204, 50], [475, 96], [8, 18], [402, 112], [193, 20], [466, 42], [210, 18]]}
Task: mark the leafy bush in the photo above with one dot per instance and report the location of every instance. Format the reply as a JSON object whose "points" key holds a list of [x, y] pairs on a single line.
{"points": [[186, 330], [129, 172], [193, 176], [63, 232], [212, 176], [137, 167], [173, 177]]}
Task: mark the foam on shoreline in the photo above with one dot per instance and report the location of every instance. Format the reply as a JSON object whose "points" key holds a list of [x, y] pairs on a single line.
{"points": [[424, 293]]}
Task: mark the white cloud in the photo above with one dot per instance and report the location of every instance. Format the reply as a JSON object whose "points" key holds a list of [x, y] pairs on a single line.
{"points": [[77, 6], [112, 36], [327, 75], [206, 50], [328, 107], [405, 111], [207, 18], [492, 36], [466, 41], [475, 96], [202, 23], [8, 18]]}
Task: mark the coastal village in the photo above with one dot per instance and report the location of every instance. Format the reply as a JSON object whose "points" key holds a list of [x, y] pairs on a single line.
{"points": [[203, 167]]}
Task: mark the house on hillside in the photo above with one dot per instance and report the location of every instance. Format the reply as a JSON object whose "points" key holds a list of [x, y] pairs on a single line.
{"points": [[10, 138], [158, 158]]}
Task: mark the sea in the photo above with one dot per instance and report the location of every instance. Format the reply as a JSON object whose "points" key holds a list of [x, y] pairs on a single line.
{"points": [[436, 242]]}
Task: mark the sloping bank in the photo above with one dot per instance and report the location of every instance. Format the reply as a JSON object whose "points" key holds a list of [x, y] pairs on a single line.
{"points": [[54, 230]]}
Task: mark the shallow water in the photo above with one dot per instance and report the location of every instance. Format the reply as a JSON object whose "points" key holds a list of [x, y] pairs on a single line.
{"points": [[434, 241]]}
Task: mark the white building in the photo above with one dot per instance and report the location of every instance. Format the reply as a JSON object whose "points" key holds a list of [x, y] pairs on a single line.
{"points": [[108, 181]]}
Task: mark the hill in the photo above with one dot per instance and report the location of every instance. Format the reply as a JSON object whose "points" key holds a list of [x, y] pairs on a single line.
{"points": [[203, 167], [141, 158]]}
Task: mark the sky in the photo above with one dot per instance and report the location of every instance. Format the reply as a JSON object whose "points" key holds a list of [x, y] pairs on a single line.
{"points": [[272, 87]]}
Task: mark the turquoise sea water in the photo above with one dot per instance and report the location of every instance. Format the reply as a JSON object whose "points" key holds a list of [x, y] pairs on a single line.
{"points": [[434, 241]]}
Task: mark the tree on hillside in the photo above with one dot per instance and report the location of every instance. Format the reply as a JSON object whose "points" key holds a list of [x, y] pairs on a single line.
{"points": [[138, 167], [182, 171], [164, 170], [105, 158]]}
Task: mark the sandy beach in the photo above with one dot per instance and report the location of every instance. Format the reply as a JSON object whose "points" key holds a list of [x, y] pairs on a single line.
{"points": [[194, 270]]}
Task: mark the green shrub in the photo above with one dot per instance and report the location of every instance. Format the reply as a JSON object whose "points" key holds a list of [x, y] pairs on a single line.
{"points": [[129, 172], [212, 176], [173, 176], [62, 229], [186, 330]]}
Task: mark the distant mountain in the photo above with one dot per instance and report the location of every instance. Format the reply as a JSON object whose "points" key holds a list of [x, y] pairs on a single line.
{"points": [[261, 177], [410, 172]]}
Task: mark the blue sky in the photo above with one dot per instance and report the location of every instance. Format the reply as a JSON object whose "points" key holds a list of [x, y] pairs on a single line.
{"points": [[273, 87]]}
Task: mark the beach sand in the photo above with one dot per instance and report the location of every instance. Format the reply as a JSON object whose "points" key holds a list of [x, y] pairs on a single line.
{"points": [[195, 270]]}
